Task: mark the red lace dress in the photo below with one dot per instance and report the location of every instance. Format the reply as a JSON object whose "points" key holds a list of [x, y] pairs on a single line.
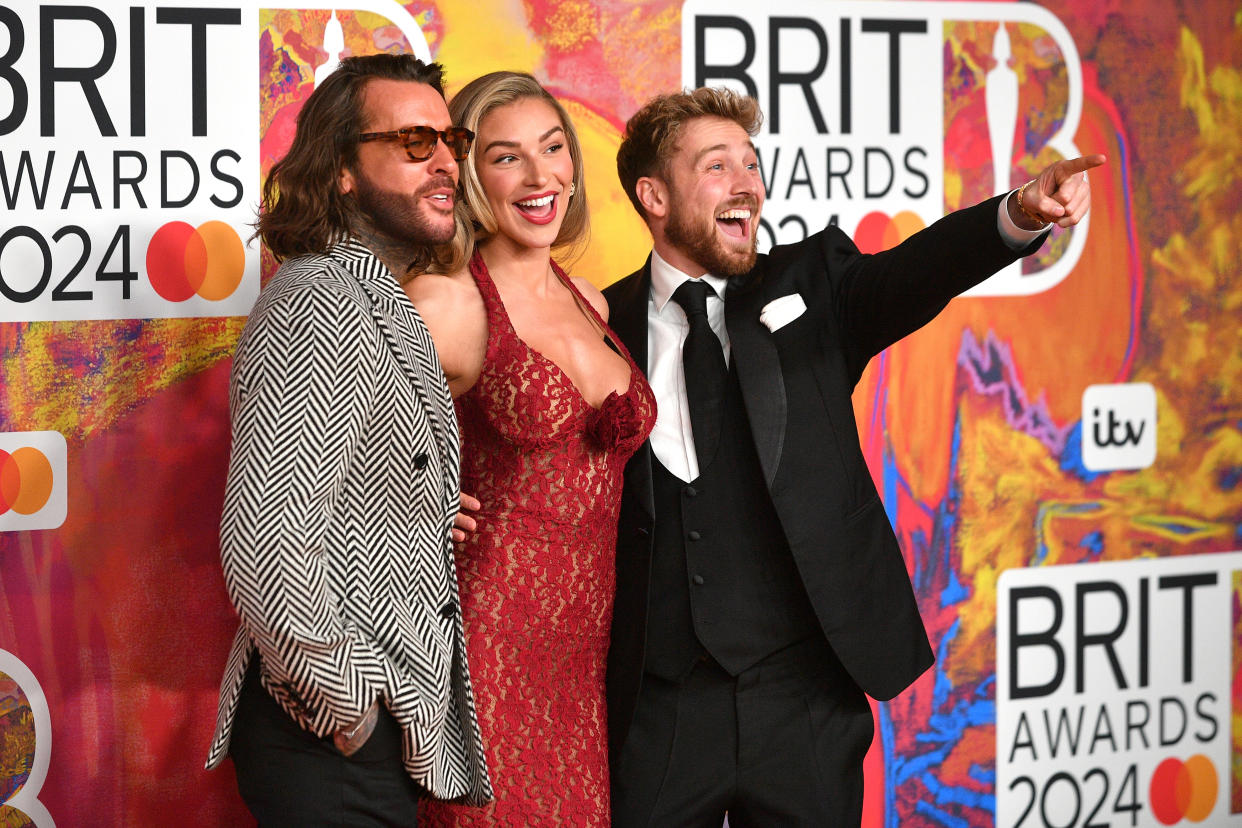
{"points": [[537, 577]]}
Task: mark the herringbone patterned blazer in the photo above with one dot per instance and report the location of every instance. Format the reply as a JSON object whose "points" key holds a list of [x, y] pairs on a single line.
{"points": [[335, 539]]}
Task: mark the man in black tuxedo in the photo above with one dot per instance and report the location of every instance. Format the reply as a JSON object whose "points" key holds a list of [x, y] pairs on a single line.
{"points": [[760, 589]]}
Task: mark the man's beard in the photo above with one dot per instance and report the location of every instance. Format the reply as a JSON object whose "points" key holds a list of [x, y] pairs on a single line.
{"points": [[698, 240], [402, 217]]}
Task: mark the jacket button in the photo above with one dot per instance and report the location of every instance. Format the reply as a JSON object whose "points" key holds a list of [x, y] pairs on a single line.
{"points": [[698, 580], [420, 460], [694, 535], [691, 491], [448, 610]]}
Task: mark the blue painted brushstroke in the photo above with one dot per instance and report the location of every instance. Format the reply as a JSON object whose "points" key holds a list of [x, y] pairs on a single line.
{"points": [[954, 591], [955, 795], [1071, 458], [887, 745], [1093, 542], [981, 774]]}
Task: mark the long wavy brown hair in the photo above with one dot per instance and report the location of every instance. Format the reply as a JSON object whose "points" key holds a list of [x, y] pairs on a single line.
{"points": [[304, 210]]}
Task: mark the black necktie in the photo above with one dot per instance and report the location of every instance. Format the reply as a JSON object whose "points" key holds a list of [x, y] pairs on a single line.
{"points": [[704, 363]]}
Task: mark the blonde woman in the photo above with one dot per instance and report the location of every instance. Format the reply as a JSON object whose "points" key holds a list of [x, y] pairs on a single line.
{"points": [[550, 407]]}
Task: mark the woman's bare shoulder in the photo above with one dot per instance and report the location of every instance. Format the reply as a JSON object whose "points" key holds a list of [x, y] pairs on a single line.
{"points": [[453, 310], [592, 294], [443, 289]]}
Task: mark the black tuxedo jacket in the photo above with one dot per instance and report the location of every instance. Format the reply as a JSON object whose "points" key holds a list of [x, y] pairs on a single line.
{"points": [[844, 547]]}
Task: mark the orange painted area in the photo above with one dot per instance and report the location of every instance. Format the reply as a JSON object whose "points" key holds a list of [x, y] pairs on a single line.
{"points": [[1064, 339]]}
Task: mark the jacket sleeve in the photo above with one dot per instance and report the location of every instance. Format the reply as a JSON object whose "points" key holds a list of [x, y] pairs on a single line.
{"points": [[880, 298], [300, 396]]}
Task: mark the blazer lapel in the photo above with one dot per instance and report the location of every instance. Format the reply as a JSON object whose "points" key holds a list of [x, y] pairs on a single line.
{"points": [[411, 345], [628, 320], [754, 352]]}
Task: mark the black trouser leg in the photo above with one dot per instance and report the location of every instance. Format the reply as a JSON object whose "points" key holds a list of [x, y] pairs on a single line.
{"points": [[287, 776], [781, 744]]}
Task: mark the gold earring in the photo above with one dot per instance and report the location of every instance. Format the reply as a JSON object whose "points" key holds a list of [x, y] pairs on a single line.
{"points": [[573, 188]]}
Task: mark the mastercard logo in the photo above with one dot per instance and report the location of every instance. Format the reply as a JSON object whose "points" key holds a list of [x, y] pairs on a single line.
{"points": [[1183, 790], [878, 231], [25, 480], [185, 261]]}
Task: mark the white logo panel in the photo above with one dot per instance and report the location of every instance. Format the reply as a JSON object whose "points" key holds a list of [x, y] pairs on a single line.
{"points": [[1118, 426], [1113, 692], [33, 471]]}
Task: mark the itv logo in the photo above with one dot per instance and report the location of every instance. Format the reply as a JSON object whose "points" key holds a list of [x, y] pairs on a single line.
{"points": [[1118, 426]]}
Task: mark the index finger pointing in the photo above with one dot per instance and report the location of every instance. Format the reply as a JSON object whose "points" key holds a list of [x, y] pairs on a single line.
{"points": [[1083, 163]]}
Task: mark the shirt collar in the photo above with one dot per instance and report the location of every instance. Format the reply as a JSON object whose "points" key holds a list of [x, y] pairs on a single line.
{"points": [[665, 279]]}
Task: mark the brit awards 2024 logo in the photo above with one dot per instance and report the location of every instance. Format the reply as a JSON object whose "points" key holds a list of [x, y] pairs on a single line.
{"points": [[883, 116], [130, 153], [1115, 700]]}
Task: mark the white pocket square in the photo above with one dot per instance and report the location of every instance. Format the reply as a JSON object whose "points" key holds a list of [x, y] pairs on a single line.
{"points": [[780, 312]]}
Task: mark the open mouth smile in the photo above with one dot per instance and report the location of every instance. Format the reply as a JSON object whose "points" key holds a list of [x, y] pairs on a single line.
{"points": [[538, 209], [734, 223]]}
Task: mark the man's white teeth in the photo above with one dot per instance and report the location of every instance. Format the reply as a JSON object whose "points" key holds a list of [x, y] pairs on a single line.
{"points": [[734, 214], [542, 201]]}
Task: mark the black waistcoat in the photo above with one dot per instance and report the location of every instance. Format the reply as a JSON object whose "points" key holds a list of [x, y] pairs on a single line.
{"points": [[722, 576]]}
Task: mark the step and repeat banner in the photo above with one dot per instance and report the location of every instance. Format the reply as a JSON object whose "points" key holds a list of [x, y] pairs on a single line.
{"points": [[1060, 451]]}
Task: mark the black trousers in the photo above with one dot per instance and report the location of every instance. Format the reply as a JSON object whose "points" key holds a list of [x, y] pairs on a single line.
{"points": [[288, 776], [782, 743]]}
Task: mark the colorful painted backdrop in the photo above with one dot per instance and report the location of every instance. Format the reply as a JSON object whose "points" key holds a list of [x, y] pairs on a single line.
{"points": [[973, 427]]}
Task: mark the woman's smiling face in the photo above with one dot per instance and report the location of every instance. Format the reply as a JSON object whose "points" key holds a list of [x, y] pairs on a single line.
{"points": [[523, 162]]}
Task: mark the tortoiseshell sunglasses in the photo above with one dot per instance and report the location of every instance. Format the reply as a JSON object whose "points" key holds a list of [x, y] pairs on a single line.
{"points": [[420, 141]]}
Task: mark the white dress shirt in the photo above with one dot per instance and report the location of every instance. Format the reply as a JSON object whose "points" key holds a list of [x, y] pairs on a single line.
{"points": [[672, 439]]}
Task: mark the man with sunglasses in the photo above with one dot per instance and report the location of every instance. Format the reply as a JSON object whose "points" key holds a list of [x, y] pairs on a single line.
{"points": [[346, 695]]}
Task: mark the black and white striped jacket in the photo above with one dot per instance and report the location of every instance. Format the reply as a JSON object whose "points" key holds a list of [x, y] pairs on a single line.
{"points": [[341, 494]]}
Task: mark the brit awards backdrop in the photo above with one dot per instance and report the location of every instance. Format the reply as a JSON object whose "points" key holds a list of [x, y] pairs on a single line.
{"points": [[1060, 451]]}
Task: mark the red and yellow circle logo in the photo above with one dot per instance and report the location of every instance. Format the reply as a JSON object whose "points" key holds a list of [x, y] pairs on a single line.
{"points": [[1183, 790], [878, 231], [25, 480], [183, 261]]}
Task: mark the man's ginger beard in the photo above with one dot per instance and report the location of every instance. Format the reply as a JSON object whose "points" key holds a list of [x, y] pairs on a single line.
{"points": [[697, 238]]}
